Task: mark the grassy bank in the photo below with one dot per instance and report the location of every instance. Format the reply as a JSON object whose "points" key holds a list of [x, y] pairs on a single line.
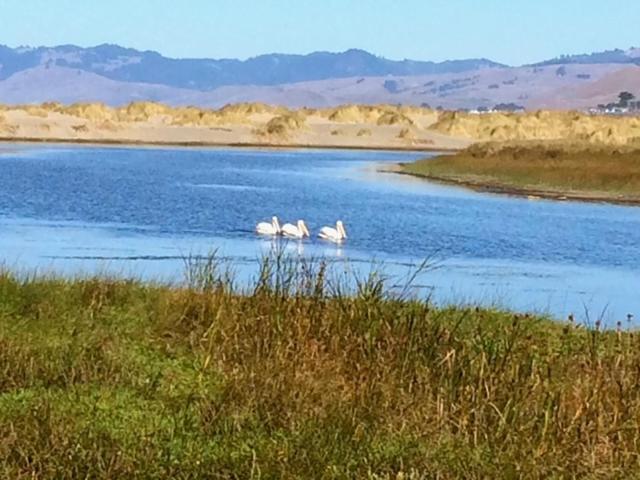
{"points": [[106, 378], [554, 170]]}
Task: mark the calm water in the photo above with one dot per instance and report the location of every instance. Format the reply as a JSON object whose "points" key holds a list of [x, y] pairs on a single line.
{"points": [[139, 211]]}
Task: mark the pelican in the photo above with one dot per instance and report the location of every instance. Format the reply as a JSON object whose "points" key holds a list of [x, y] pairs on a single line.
{"points": [[335, 235], [265, 228], [293, 231]]}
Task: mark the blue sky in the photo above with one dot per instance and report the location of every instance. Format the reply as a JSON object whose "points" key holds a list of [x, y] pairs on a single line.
{"points": [[510, 31]]}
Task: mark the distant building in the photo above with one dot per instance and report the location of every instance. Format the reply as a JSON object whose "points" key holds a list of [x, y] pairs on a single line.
{"points": [[509, 107], [612, 109], [627, 105], [481, 111]]}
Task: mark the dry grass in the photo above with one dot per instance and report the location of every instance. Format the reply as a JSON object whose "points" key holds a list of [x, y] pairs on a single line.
{"points": [[283, 125], [296, 379], [554, 166], [140, 112], [80, 128], [353, 114], [93, 112], [406, 134], [394, 118], [376, 114], [253, 109], [542, 125], [36, 111]]}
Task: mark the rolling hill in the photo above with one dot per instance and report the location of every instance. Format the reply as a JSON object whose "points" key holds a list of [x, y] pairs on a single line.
{"points": [[115, 75], [129, 65]]}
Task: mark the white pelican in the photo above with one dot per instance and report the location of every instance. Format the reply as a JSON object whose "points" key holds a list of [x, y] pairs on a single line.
{"points": [[335, 235], [293, 231], [273, 228]]}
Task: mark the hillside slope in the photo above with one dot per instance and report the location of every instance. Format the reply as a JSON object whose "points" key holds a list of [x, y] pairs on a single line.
{"points": [[116, 76], [129, 65], [566, 87]]}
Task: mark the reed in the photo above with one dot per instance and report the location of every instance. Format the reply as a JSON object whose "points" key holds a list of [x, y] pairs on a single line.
{"points": [[305, 373]]}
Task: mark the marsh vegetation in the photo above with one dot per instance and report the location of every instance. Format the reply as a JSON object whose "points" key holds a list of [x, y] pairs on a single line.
{"points": [[554, 169], [299, 376]]}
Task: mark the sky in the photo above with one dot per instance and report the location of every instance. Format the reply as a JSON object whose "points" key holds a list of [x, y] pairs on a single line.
{"points": [[507, 31]]}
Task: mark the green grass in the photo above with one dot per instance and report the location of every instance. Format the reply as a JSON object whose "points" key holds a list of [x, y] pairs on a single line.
{"points": [[560, 168], [293, 378]]}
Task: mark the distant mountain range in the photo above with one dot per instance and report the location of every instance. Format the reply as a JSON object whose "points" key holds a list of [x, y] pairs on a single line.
{"points": [[129, 65], [116, 75]]}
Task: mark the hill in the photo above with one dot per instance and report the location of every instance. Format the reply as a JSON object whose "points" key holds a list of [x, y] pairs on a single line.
{"points": [[617, 55], [129, 65], [116, 76]]}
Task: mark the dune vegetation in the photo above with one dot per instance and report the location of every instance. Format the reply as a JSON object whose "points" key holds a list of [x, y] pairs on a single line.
{"points": [[550, 169], [283, 125], [257, 123], [541, 125], [231, 113], [297, 376], [354, 113], [394, 118], [233, 124]]}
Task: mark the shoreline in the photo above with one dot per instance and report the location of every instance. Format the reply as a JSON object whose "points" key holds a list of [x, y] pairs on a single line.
{"points": [[510, 190], [203, 144]]}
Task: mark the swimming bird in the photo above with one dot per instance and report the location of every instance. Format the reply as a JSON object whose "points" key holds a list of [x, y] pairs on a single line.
{"points": [[335, 235], [272, 229], [295, 231]]}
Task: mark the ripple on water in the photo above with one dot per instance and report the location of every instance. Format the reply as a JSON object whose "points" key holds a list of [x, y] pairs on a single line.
{"points": [[224, 186], [148, 206]]}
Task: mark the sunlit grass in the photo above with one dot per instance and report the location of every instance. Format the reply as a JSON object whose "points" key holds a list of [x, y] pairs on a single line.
{"points": [[552, 166], [298, 376]]}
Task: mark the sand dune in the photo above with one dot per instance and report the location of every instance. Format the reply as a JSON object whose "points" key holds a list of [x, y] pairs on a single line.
{"points": [[541, 125], [373, 126], [381, 126], [593, 93]]}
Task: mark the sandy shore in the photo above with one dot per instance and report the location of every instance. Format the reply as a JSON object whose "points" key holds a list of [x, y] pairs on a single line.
{"points": [[146, 143], [348, 126], [387, 128]]}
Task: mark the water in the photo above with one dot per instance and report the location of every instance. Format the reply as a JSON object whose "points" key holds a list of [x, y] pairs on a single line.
{"points": [[139, 211]]}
